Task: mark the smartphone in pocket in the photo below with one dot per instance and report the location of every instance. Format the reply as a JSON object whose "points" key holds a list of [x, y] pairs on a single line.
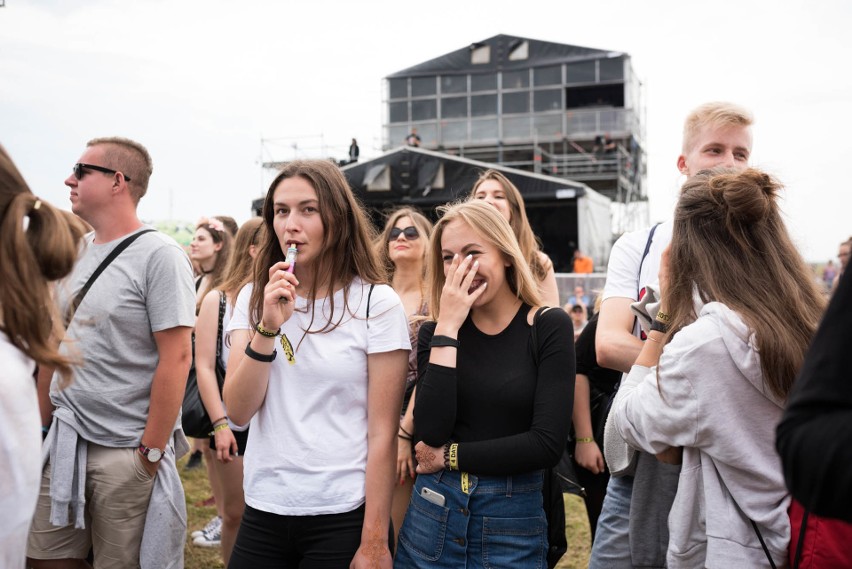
{"points": [[433, 496]]}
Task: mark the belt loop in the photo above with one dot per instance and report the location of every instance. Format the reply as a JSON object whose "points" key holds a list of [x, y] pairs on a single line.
{"points": [[508, 486]]}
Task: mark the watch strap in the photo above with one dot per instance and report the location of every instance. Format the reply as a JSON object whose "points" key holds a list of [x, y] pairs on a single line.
{"points": [[443, 341], [657, 326]]}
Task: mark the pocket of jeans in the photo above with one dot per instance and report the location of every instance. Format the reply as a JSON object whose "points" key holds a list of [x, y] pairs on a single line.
{"points": [[141, 472], [424, 528], [514, 542]]}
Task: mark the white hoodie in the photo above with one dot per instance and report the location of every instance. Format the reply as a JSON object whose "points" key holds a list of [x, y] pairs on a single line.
{"points": [[713, 402]]}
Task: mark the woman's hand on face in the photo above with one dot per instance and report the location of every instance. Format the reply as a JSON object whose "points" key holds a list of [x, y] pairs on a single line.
{"points": [[429, 459], [588, 455], [404, 462], [455, 298], [279, 297]]}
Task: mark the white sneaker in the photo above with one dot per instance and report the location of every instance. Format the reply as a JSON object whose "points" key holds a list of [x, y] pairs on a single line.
{"points": [[214, 524], [210, 539]]}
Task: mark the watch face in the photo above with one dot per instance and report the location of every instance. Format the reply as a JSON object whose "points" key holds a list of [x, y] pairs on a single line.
{"points": [[154, 454]]}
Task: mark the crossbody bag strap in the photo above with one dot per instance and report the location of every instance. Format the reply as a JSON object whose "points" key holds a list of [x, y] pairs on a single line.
{"points": [[369, 296], [104, 264], [221, 318], [763, 544]]}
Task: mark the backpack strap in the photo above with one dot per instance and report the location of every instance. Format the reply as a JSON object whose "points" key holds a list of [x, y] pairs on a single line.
{"points": [[104, 264]]}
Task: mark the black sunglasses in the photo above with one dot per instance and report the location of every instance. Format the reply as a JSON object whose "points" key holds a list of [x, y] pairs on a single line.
{"points": [[410, 233], [79, 172]]}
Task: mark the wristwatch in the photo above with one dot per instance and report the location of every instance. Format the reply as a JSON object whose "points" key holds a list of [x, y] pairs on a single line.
{"points": [[152, 454]]}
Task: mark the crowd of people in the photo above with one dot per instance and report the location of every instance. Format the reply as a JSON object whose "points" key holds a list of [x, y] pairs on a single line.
{"points": [[398, 397]]}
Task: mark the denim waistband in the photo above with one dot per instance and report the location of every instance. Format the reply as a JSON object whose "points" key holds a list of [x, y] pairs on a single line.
{"points": [[524, 482]]}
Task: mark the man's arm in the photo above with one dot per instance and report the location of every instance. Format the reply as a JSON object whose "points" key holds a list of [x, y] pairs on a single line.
{"points": [[174, 347], [617, 347]]}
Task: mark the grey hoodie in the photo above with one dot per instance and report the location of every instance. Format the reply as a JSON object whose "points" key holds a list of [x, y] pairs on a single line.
{"points": [[713, 402]]}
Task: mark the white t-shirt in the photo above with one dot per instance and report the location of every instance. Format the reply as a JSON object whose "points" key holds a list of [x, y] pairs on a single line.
{"points": [[20, 452], [623, 278], [307, 446]]}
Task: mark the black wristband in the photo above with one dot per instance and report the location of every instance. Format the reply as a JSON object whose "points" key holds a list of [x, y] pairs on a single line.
{"points": [[657, 326], [443, 341], [265, 358]]}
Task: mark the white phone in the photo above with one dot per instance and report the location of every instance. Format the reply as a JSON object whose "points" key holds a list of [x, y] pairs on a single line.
{"points": [[433, 496]]}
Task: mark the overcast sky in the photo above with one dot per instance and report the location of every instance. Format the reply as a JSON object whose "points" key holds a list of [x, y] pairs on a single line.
{"points": [[201, 83]]}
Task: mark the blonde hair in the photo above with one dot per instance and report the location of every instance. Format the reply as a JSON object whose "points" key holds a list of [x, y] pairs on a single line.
{"points": [[492, 226], [241, 265], [730, 244], [130, 158], [717, 114], [38, 244], [418, 220], [528, 242]]}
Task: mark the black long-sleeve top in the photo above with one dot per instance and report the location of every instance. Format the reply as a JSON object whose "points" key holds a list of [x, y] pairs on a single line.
{"points": [[507, 415], [815, 434]]}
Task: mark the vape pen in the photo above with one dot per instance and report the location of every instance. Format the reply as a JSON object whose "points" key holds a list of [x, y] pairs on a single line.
{"points": [[291, 257]]}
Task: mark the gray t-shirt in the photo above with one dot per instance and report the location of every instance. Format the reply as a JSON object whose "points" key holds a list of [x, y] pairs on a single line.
{"points": [[147, 288]]}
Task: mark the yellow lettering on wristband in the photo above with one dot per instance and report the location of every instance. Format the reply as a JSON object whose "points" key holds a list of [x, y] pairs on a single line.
{"points": [[454, 456], [465, 483]]}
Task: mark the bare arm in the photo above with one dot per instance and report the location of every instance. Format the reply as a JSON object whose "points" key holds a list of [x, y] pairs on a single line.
{"points": [[617, 347], [45, 406], [588, 454], [246, 379], [547, 287], [174, 347], [384, 398], [405, 460]]}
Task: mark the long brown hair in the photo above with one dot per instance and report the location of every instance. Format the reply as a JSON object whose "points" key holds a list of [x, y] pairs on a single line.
{"points": [[730, 244], [241, 267], [220, 235], [491, 225], [38, 244], [347, 243], [528, 242]]}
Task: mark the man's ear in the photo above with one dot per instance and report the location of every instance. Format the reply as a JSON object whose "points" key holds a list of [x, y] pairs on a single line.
{"points": [[681, 164]]}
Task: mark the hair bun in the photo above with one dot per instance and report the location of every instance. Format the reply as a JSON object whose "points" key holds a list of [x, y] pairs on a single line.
{"points": [[748, 196]]}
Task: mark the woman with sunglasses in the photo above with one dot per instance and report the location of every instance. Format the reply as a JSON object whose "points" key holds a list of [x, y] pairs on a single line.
{"points": [[497, 190], [491, 401], [39, 245], [319, 351], [402, 247], [227, 444]]}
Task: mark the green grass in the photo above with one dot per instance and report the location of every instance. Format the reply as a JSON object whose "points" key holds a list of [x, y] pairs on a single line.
{"points": [[197, 489]]}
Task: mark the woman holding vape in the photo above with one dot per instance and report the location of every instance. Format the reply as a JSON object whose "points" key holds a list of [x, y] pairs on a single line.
{"points": [[319, 350], [496, 379]]}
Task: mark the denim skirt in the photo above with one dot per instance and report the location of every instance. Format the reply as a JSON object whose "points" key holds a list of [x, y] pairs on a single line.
{"points": [[498, 523]]}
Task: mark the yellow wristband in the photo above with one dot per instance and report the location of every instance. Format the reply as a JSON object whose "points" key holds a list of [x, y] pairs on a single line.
{"points": [[218, 428], [585, 439], [454, 456]]}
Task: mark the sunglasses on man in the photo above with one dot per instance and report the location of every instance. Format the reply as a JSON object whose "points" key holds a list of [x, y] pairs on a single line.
{"points": [[409, 232], [80, 170]]}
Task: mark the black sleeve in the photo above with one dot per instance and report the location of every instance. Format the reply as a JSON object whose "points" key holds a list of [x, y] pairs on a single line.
{"points": [[543, 444], [601, 378], [436, 399], [815, 434]]}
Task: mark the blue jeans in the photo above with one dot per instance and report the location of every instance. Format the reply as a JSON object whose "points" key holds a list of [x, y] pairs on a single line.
{"points": [[611, 548], [499, 523]]}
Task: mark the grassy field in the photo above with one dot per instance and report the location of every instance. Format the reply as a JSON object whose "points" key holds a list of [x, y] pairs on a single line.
{"points": [[197, 490]]}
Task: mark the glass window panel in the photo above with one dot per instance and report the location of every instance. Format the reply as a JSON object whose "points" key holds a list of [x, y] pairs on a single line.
{"points": [[397, 134], [454, 131], [483, 129], [481, 55], [486, 82], [398, 88], [453, 107], [548, 75], [483, 105], [519, 52], [516, 102], [428, 134], [424, 109], [399, 112], [516, 127], [547, 100], [548, 125], [516, 79], [581, 72], [422, 86], [454, 84], [612, 69]]}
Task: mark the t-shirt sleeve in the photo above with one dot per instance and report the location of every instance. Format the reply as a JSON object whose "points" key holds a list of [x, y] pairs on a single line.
{"points": [[622, 279], [240, 315], [387, 326], [543, 444], [170, 298]]}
